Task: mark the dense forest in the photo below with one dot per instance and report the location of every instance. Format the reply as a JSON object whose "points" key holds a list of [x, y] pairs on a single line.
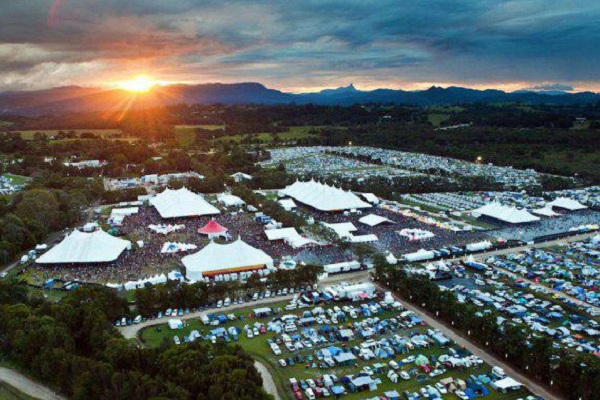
{"points": [[72, 346]]}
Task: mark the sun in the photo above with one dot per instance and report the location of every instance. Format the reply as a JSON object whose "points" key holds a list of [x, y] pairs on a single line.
{"points": [[138, 84]]}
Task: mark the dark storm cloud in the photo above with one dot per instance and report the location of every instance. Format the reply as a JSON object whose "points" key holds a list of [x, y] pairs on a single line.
{"points": [[301, 43]]}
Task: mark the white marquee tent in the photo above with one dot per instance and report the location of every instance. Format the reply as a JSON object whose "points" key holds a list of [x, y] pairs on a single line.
{"points": [[545, 211], [567, 204], [182, 203], [373, 220], [215, 259], [508, 214], [344, 231], [323, 197], [83, 247], [290, 236]]}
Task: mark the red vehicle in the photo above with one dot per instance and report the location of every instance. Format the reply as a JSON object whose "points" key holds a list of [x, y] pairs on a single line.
{"points": [[425, 368], [298, 395]]}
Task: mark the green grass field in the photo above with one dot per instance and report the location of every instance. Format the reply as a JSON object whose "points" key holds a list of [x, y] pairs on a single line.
{"points": [[104, 133], [436, 119], [294, 133], [257, 347], [17, 179], [185, 135]]}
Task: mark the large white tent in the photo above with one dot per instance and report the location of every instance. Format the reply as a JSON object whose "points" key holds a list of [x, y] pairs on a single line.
{"points": [[82, 247], [290, 236], [182, 203], [216, 259], [373, 220], [545, 211], [508, 214], [344, 231], [567, 204], [323, 197]]}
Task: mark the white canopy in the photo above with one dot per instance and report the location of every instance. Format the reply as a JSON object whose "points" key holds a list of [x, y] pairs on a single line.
{"points": [[324, 197], [567, 204], [217, 258], [373, 220], [230, 200], [182, 203], [290, 236], [420, 255], [344, 231], [545, 211], [287, 204], [371, 198], [508, 214], [82, 247]]}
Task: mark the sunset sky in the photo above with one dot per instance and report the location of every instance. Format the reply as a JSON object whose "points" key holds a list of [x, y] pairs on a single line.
{"points": [[302, 45]]}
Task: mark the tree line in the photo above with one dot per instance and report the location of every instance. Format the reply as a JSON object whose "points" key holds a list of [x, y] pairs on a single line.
{"points": [[72, 347]]}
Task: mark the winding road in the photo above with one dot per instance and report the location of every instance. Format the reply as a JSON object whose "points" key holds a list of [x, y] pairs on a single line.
{"points": [[27, 385]]}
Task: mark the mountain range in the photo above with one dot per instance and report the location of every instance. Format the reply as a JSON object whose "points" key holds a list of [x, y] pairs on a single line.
{"points": [[76, 98]]}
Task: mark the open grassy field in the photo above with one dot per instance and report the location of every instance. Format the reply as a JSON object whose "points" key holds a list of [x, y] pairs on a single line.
{"points": [[104, 133], [294, 133], [436, 119], [258, 348], [185, 135], [17, 179]]}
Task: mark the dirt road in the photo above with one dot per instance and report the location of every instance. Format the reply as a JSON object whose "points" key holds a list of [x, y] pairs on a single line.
{"points": [[26, 385], [268, 382]]}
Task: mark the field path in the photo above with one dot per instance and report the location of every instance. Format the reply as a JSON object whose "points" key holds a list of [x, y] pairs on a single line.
{"points": [[27, 385], [268, 382]]}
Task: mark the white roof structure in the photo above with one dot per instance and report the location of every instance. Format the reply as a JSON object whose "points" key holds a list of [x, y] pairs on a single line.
{"points": [[182, 203], [214, 259], [344, 231], [373, 220], [287, 204], [508, 214], [545, 211], [324, 197], [230, 200], [567, 204], [506, 383], [419, 255], [371, 198], [81, 247], [290, 236]]}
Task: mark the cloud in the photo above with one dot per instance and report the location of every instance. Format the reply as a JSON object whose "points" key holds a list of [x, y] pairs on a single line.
{"points": [[301, 43], [551, 86]]}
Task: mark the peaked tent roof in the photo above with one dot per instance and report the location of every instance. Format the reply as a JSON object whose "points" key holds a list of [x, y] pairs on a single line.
{"points": [[567, 204], [212, 227], [225, 258], [505, 213], [324, 197], [82, 247], [373, 220], [545, 211], [182, 203]]}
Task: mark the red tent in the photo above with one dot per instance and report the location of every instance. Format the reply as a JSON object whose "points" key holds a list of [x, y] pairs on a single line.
{"points": [[212, 228]]}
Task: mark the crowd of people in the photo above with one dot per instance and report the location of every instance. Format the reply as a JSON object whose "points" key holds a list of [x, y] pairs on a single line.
{"points": [[546, 225], [390, 240]]}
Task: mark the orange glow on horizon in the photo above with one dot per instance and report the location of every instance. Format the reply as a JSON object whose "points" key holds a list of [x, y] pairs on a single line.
{"points": [[138, 84]]}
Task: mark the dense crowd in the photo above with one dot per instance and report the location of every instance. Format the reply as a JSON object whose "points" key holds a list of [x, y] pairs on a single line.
{"points": [[390, 240], [546, 226]]}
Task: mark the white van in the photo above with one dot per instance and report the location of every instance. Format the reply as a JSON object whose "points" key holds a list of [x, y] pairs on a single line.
{"points": [[310, 394], [204, 319], [137, 319], [227, 302]]}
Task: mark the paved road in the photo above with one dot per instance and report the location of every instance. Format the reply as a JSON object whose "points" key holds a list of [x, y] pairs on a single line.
{"points": [[132, 331], [26, 385], [268, 382], [462, 340]]}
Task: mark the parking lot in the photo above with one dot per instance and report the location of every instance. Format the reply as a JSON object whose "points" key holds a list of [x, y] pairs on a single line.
{"points": [[343, 347]]}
